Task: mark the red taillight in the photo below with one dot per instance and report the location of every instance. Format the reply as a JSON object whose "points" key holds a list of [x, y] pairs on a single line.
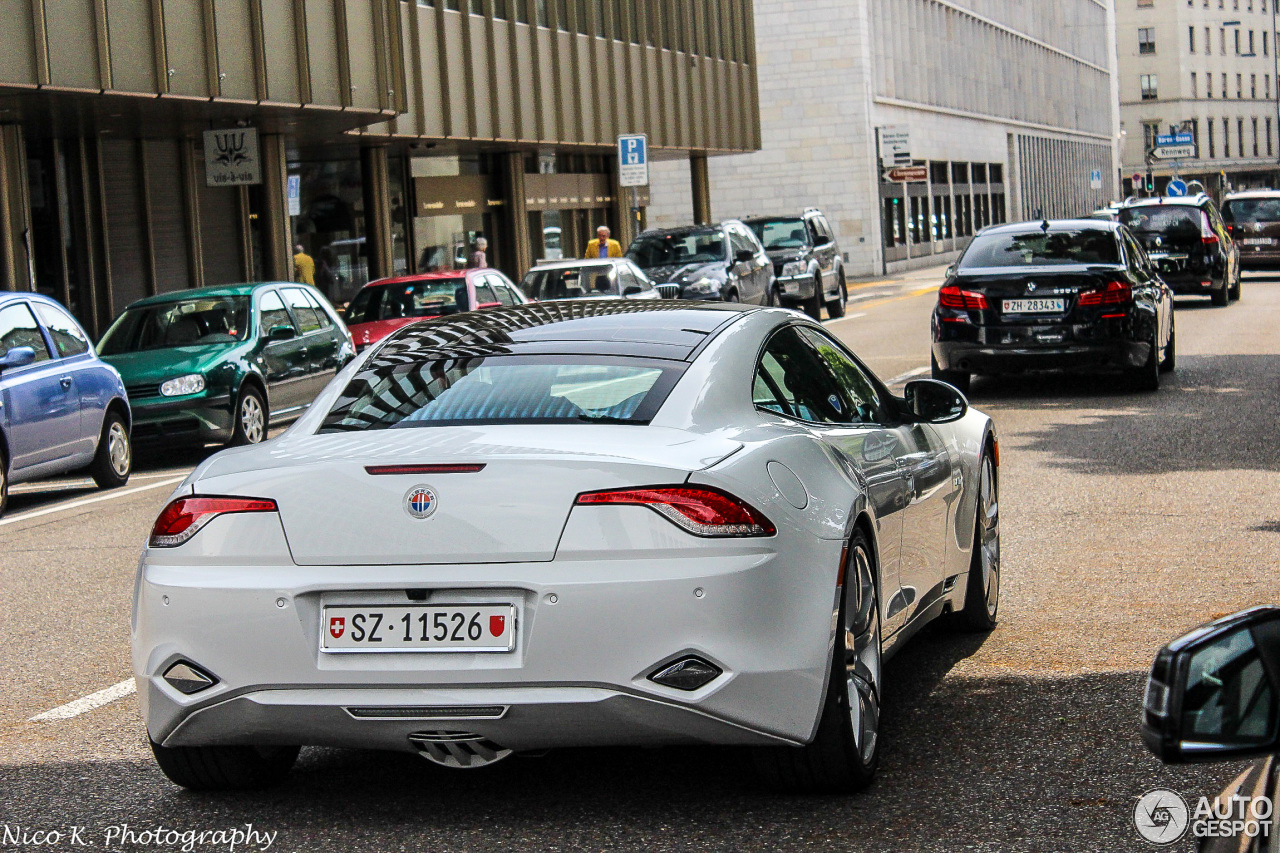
{"points": [[1111, 293], [1207, 235], [184, 517], [1209, 239], [701, 511], [953, 297]]}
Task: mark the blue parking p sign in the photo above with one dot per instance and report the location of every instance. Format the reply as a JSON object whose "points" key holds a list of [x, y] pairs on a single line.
{"points": [[633, 160]]}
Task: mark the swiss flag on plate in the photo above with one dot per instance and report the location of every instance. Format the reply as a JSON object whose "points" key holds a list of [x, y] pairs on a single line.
{"points": [[497, 624], [337, 624]]}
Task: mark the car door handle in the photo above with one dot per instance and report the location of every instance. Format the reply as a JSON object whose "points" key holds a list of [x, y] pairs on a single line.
{"points": [[65, 382], [302, 351]]}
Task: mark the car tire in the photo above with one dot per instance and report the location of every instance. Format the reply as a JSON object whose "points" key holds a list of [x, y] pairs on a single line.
{"points": [[731, 296], [845, 752], [813, 305], [836, 307], [982, 590], [225, 768], [1222, 295], [250, 417], [1147, 377], [113, 462], [958, 379], [1234, 295], [1170, 360]]}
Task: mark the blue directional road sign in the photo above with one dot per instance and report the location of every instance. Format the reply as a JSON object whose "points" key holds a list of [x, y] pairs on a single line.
{"points": [[1177, 187], [633, 160], [1166, 139]]}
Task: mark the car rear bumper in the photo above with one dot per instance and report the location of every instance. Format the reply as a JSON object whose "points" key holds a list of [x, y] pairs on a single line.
{"points": [[518, 718], [589, 635], [204, 419], [1259, 257], [982, 349]]}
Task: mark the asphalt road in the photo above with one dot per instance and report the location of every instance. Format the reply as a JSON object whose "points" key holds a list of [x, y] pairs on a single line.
{"points": [[1127, 518]]}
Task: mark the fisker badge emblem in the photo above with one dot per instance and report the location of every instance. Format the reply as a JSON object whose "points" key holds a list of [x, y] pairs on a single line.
{"points": [[420, 501], [1031, 287]]}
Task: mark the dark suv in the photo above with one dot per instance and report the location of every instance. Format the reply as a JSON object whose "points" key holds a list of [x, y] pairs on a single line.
{"points": [[724, 261], [1253, 221], [1188, 241], [806, 260]]}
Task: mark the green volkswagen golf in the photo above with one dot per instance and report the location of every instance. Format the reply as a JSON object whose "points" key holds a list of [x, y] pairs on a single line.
{"points": [[223, 364]]}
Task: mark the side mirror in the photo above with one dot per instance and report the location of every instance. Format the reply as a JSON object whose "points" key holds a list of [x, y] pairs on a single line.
{"points": [[282, 333], [1212, 693], [934, 402], [951, 270], [633, 290], [744, 255], [17, 357]]}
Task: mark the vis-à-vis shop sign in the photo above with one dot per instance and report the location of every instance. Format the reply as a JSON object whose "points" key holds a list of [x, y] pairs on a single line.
{"points": [[231, 157]]}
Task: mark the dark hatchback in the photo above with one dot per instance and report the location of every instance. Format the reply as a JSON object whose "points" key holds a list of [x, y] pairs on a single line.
{"points": [[1188, 241], [1067, 294], [1253, 221]]}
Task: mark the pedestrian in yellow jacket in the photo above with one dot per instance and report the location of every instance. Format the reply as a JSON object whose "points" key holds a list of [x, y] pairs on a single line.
{"points": [[602, 246]]}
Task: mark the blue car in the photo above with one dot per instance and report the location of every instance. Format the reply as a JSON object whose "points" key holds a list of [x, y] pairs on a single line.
{"points": [[61, 408]]}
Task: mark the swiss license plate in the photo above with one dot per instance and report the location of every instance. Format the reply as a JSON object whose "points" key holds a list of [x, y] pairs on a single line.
{"points": [[1034, 306], [1259, 241], [418, 628]]}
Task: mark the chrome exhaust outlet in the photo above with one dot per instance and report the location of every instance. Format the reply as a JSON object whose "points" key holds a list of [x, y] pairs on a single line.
{"points": [[458, 750]]}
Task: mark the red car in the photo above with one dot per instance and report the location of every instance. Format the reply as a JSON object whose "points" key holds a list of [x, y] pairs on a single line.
{"points": [[388, 304]]}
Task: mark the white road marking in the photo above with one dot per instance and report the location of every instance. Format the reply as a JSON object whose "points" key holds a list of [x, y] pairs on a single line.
{"points": [[109, 496], [910, 374], [87, 703], [854, 316]]}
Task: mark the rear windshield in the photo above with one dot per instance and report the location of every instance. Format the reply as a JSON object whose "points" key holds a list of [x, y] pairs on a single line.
{"points": [[780, 233], [1251, 210], [190, 322], [1038, 248], [1168, 220], [705, 245], [433, 298], [571, 283], [507, 389]]}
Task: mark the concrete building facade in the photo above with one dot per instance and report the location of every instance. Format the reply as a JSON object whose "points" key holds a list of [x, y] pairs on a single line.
{"points": [[390, 134], [1209, 67], [1010, 107]]}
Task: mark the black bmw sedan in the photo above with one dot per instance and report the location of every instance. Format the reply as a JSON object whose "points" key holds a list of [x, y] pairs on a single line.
{"points": [[1059, 295]]}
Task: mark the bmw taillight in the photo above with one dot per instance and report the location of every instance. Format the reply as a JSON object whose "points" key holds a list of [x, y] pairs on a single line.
{"points": [[184, 517], [968, 300], [1111, 293], [700, 510]]}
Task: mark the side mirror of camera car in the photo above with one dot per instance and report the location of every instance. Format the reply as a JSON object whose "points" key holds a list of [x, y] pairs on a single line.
{"points": [[1212, 693], [934, 402]]}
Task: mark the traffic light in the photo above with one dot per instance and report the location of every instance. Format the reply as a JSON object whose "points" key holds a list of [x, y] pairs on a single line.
{"points": [[1151, 182]]}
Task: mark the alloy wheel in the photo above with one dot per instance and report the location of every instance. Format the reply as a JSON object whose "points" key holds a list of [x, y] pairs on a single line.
{"points": [[989, 536], [252, 420], [862, 656], [119, 453]]}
